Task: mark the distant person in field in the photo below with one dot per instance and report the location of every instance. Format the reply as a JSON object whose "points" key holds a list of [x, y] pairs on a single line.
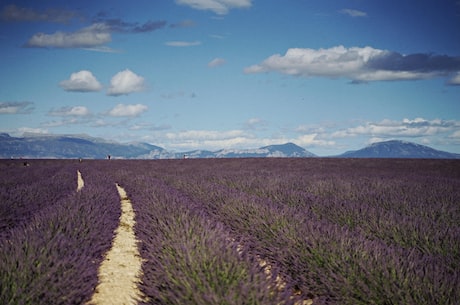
{"points": [[109, 156]]}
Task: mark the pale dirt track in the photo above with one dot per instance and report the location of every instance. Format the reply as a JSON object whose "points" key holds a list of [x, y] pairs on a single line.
{"points": [[120, 272]]}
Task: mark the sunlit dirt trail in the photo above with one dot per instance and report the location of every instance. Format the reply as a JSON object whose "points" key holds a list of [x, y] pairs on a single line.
{"points": [[120, 272]]}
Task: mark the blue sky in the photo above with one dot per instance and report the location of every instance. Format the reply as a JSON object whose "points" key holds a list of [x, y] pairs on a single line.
{"points": [[330, 76]]}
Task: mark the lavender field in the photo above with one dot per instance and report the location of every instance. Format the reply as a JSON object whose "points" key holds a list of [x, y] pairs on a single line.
{"points": [[332, 231]]}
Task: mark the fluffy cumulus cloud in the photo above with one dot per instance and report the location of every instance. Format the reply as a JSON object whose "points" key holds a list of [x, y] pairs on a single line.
{"points": [[16, 107], [358, 64], [70, 111], [126, 82], [220, 7], [122, 110], [94, 35], [81, 81]]}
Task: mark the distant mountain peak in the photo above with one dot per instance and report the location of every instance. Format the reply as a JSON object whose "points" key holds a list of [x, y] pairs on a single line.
{"points": [[288, 149], [399, 149]]}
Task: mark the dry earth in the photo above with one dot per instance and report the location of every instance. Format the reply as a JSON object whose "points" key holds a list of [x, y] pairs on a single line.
{"points": [[120, 272]]}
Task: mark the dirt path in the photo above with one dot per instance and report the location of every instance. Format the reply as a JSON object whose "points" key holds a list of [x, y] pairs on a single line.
{"points": [[120, 272]]}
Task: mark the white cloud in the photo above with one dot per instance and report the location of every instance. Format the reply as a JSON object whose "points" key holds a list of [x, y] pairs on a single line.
{"points": [[70, 111], [64, 122], [312, 140], [149, 126], [353, 13], [16, 107], [205, 135], [358, 64], [207, 139], [122, 110], [220, 7], [235, 139], [29, 130], [183, 43], [216, 62], [125, 82], [417, 127], [456, 135], [333, 62], [82, 81], [94, 35]]}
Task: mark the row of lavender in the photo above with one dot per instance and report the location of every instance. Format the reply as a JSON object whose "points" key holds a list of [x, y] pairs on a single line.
{"points": [[189, 257], [52, 239], [21, 190], [52, 256], [340, 231]]}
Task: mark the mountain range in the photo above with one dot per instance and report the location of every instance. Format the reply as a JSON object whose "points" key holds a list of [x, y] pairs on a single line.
{"points": [[83, 146]]}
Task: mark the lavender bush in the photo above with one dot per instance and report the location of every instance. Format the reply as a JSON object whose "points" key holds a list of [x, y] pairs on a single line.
{"points": [[343, 231], [192, 259], [338, 231], [53, 257], [22, 189]]}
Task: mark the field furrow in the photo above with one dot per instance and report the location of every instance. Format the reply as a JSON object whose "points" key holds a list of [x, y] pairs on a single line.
{"points": [[120, 270]]}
